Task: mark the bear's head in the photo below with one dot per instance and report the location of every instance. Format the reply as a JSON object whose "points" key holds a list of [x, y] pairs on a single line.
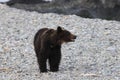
{"points": [[64, 36]]}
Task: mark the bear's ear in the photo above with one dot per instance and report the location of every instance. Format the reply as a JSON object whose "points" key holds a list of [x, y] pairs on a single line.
{"points": [[59, 29]]}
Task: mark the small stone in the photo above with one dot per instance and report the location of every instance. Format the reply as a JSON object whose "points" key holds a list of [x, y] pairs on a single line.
{"points": [[111, 48], [1, 49]]}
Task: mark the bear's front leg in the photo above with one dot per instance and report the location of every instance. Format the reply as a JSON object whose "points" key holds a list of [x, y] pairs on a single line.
{"points": [[54, 64], [54, 60]]}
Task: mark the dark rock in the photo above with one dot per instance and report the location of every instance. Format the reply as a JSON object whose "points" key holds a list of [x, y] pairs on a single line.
{"points": [[105, 9], [12, 2], [84, 13]]}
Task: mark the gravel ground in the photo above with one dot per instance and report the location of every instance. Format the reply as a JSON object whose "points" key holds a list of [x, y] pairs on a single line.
{"points": [[95, 55]]}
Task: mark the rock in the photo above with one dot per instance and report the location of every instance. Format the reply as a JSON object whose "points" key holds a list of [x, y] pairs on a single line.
{"points": [[1, 50], [111, 48], [105, 9]]}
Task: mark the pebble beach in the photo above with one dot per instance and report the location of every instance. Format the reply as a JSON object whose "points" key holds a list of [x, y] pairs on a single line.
{"points": [[95, 54]]}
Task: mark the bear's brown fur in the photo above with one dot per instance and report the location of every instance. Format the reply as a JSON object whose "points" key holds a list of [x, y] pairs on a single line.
{"points": [[47, 44]]}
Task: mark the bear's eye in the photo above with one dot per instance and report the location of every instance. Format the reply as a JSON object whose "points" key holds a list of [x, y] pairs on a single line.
{"points": [[67, 34]]}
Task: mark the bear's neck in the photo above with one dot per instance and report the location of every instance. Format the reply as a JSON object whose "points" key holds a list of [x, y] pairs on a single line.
{"points": [[54, 40]]}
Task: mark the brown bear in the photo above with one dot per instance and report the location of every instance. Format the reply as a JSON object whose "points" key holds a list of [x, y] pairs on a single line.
{"points": [[47, 45]]}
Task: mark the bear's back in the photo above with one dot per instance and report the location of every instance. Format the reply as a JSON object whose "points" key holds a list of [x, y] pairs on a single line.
{"points": [[39, 33]]}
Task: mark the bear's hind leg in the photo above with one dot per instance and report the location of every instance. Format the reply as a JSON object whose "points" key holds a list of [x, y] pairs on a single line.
{"points": [[42, 64]]}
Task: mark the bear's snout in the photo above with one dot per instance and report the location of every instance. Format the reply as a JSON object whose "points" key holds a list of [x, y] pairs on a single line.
{"points": [[73, 37]]}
